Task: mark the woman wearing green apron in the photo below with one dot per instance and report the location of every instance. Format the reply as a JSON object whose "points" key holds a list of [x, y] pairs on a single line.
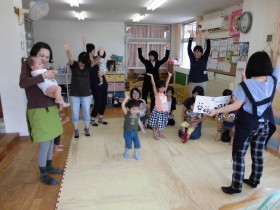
{"points": [[42, 114]]}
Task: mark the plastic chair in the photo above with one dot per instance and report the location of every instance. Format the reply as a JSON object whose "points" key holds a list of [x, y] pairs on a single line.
{"points": [[252, 202], [271, 202]]}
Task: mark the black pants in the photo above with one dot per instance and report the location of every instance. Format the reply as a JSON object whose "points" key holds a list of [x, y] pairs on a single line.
{"points": [[57, 140], [146, 89], [171, 122], [100, 100], [256, 140]]}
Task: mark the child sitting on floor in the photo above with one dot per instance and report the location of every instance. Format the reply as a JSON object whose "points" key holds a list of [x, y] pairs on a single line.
{"points": [[225, 122], [143, 106], [143, 112], [171, 100], [189, 118]]}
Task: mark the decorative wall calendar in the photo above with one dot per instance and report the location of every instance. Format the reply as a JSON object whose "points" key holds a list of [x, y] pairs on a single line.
{"points": [[205, 103]]}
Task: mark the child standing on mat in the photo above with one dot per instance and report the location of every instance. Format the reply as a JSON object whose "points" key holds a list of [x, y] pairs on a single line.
{"points": [[159, 115], [131, 121]]}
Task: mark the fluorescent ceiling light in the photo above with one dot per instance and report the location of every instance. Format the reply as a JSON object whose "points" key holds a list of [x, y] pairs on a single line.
{"points": [[155, 4], [80, 15], [74, 3], [138, 17]]}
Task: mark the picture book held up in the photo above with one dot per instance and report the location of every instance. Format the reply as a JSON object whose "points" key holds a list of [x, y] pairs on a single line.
{"points": [[205, 103]]}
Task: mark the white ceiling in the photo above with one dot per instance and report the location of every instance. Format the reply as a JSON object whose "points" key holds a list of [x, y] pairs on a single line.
{"points": [[172, 11]]}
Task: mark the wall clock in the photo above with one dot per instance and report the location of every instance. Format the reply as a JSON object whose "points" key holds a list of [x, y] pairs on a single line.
{"points": [[245, 22]]}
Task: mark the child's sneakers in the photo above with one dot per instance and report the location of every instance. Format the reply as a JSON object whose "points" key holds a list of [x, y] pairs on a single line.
{"points": [[184, 138], [136, 156], [126, 154]]}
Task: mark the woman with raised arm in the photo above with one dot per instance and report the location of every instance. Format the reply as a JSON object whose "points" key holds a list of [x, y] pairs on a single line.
{"points": [[198, 69], [80, 89], [98, 90], [152, 66]]}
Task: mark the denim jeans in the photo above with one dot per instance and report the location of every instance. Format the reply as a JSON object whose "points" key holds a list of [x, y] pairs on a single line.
{"points": [[75, 102], [129, 137], [195, 134]]}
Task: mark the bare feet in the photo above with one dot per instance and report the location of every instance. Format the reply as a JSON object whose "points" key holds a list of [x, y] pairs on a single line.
{"points": [[162, 136], [156, 138], [218, 137]]}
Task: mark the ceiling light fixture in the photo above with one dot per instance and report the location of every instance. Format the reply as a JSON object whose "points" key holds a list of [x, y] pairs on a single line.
{"points": [[155, 4], [138, 17], [74, 3], [80, 15]]}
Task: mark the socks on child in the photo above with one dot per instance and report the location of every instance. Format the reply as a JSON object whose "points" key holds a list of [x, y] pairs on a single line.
{"points": [[184, 137], [126, 154], [136, 156]]}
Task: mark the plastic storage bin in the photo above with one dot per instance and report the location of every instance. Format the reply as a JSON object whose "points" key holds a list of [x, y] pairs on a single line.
{"points": [[117, 58], [119, 77], [110, 77]]}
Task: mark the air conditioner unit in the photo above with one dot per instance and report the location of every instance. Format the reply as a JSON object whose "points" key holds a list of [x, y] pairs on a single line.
{"points": [[215, 21]]}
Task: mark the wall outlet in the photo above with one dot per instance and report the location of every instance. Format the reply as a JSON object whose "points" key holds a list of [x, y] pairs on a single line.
{"points": [[269, 38]]}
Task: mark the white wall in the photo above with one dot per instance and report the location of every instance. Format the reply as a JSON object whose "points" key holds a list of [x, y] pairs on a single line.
{"points": [[265, 16], [13, 98], [109, 35]]}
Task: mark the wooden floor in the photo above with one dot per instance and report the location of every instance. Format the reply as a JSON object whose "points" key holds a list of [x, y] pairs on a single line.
{"points": [[20, 187]]}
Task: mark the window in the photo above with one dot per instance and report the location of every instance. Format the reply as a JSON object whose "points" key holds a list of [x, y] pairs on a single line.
{"points": [[191, 26]]}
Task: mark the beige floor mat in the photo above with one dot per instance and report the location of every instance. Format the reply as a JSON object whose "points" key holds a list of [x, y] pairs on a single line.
{"points": [[169, 176]]}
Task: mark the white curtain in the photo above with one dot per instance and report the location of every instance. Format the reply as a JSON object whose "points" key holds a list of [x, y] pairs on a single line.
{"points": [[277, 40], [144, 33]]}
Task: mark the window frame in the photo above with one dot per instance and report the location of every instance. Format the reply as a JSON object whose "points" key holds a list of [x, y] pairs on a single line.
{"points": [[146, 41], [184, 43]]}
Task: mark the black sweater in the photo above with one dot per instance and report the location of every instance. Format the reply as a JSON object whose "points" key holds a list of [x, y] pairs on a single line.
{"points": [[198, 66], [149, 66]]}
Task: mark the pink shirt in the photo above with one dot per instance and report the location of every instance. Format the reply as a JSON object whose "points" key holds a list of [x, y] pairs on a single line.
{"points": [[161, 102]]}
